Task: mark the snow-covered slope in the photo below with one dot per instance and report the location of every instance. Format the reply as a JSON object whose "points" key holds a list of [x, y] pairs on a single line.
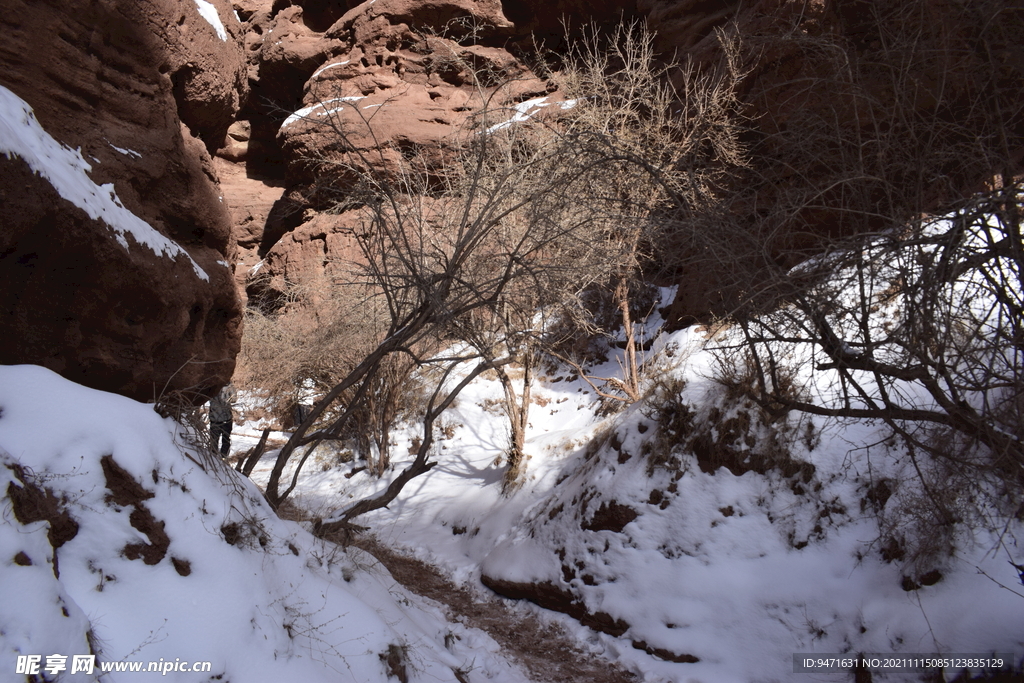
{"points": [[712, 565], [731, 565], [121, 541]]}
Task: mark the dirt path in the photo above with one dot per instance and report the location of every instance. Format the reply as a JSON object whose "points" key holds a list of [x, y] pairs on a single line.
{"points": [[545, 652]]}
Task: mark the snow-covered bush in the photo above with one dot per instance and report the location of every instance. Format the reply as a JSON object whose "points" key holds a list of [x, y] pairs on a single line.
{"points": [[919, 329]]}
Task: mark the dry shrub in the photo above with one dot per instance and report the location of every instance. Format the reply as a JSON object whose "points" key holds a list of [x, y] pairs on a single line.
{"points": [[743, 431], [193, 424], [298, 352], [663, 404], [742, 375], [952, 490], [674, 417], [395, 395], [321, 329], [331, 454]]}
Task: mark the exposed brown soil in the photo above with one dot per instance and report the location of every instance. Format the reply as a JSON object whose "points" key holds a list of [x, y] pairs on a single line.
{"points": [[550, 596], [544, 651], [126, 491], [31, 503]]}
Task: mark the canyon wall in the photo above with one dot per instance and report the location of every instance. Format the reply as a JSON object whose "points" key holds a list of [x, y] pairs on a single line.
{"points": [[209, 122], [855, 114], [115, 245]]}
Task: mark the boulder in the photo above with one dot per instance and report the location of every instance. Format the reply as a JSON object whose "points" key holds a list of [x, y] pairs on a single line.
{"points": [[396, 91], [375, 21], [324, 244], [289, 53], [202, 55]]}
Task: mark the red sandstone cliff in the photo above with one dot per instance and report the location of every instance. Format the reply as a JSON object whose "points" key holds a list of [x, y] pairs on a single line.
{"points": [[147, 89], [137, 87]]}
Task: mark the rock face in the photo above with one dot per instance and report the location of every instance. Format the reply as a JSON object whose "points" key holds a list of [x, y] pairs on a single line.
{"points": [[313, 82], [249, 199], [136, 88], [321, 70], [860, 117], [203, 57]]}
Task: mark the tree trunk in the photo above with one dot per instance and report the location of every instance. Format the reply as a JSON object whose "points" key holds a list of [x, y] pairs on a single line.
{"points": [[517, 408], [631, 373], [420, 465]]}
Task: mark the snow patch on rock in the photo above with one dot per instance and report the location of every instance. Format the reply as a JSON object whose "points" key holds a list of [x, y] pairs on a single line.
{"points": [[209, 12], [21, 135]]}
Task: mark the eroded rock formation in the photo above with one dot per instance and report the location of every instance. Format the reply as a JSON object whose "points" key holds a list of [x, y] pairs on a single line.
{"points": [[147, 89], [822, 81], [137, 88], [387, 76]]}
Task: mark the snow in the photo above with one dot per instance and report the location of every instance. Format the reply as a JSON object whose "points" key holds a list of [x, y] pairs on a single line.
{"points": [[124, 151], [742, 571], [209, 12], [524, 111], [325, 68], [65, 169], [305, 112], [277, 605]]}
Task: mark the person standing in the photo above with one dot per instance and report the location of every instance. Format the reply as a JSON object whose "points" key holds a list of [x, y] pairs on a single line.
{"points": [[222, 418], [305, 399]]}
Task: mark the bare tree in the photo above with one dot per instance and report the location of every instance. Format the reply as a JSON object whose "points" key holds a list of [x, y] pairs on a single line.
{"points": [[874, 240], [920, 329], [311, 334], [443, 261], [668, 137], [468, 260], [394, 393], [866, 119]]}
